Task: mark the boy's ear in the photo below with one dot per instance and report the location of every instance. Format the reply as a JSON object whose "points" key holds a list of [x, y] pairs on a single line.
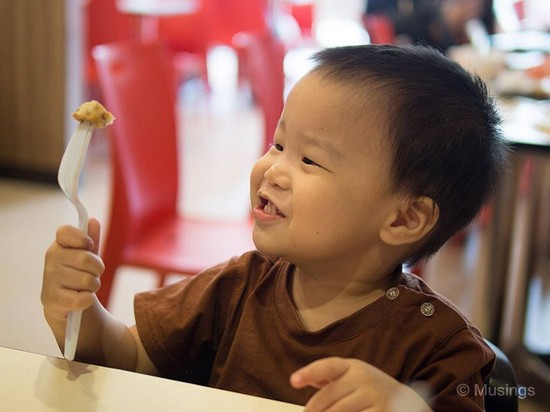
{"points": [[411, 222]]}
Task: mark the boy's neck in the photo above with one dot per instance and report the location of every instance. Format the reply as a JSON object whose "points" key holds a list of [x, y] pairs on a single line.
{"points": [[323, 299]]}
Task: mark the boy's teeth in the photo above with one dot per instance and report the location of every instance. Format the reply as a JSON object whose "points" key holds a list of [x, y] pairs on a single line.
{"points": [[270, 208]]}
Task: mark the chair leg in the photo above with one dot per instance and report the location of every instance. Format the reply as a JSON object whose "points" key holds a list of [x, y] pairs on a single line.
{"points": [[161, 279]]}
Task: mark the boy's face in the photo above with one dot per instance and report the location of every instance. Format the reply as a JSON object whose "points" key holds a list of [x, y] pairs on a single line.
{"points": [[322, 192]]}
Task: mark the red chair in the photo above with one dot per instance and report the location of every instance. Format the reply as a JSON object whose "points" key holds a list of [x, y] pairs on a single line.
{"points": [[303, 14], [188, 37], [145, 229], [263, 57], [104, 24], [260, 54], [229, 17], [215, 22]]}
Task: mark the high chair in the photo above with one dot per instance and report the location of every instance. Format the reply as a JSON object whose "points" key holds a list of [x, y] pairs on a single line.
{"points": [[501, 387], [145, 229]]}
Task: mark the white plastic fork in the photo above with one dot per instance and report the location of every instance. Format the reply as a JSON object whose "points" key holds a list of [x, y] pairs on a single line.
{"points": [[68, 178]]}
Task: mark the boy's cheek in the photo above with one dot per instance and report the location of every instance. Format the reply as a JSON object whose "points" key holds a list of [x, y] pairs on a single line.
{"points": [[255, 180], [257, 174]]}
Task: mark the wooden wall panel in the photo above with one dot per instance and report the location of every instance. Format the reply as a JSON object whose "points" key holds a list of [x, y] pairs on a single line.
{"points": [[32, 87]]}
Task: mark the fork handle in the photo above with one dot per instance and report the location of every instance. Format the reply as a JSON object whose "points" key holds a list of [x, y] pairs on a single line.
{"points": [[71, 334], [72, 329]]}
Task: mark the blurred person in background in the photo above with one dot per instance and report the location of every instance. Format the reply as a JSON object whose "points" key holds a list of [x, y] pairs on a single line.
{"points": [[437, 23]]}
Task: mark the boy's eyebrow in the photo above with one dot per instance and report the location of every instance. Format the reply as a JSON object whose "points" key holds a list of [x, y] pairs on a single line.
{"points": [[324, 144], [311, 140]]}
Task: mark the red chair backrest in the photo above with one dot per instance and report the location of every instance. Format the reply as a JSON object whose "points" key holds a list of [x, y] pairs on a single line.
{"points": [[137, 85], [186, 32], [303, 14], [216, 21], [104, 24], [230, 17]]}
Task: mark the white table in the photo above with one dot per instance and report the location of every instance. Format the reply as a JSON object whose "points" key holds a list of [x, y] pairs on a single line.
{"points": [[32, 382], [148, 11], [157, 7]]}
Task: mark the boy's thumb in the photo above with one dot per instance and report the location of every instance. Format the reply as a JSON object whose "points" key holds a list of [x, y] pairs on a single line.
{"points": [[94, 231]]}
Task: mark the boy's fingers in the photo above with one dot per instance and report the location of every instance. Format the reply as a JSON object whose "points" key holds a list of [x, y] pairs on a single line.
{"points": [[80, 280], [94, 231], [319, 373], [66, 301], [72, 237], [80, 261], [338, 397]]}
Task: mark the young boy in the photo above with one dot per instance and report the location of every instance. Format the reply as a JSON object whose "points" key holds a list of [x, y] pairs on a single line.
{"points": [[381, 155]]}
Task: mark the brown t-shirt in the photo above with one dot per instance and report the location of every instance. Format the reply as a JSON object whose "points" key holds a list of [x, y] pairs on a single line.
{"points": [[235, 327]]}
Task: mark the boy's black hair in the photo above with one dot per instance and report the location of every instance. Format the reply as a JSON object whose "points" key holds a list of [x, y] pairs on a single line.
{"points": [[442, 125]]}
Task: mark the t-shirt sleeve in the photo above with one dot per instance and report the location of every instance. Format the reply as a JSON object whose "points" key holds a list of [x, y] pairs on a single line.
{"points": [[180, 325], [457, 371]]}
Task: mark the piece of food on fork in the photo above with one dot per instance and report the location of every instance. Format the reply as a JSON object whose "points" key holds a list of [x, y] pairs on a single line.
{"points": [[95, 113]]}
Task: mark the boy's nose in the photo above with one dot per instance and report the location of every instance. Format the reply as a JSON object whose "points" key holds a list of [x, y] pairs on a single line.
{"points": [[277, 175]]}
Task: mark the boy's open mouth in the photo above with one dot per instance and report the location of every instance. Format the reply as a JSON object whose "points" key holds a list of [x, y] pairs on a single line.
{"points": [[269, 207]]}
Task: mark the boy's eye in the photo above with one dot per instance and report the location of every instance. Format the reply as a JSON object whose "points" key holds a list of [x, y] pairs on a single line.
{"points": [[308, 161]]}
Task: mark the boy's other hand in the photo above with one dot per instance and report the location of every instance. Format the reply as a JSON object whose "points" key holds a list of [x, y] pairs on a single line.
{"points": [[353, 385], [71, 270]]}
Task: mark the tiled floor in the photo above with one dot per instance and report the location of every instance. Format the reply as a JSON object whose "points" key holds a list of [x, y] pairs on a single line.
{"points": [[220, 141]]}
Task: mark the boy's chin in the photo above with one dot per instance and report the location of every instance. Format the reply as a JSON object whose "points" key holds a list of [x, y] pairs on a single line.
{"points": [[267, 248]]}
